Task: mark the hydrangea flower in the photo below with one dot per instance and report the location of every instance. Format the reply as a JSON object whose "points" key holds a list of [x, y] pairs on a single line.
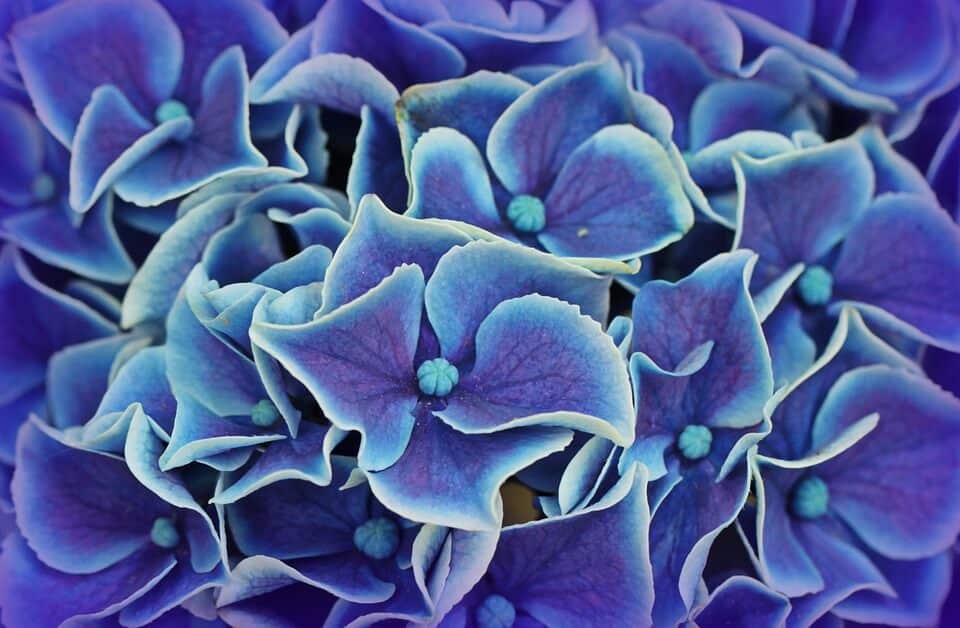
{"points": [[838, 224], [108, 536], [340, 539], [855, 486], [578, 164], [449, 396], [36, 214], [173, 116], [701, 375]]}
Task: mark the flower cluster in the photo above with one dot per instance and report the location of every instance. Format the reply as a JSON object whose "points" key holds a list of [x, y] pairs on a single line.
{"points": [[530, 313]]}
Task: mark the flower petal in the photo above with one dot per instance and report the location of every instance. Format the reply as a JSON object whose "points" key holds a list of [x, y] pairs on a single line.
{"points": [[740, 600], [617, 195], [357, 361], [449, 478], [492, 272], [530, 142], [133, 45], [540, 362], [898, 260]]}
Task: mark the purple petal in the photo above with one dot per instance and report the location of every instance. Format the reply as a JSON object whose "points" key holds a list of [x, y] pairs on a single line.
{"points": [[357, 361], [742, 600], [22, 143], [493, 272], [586, 568], [898, 260], [96, 44], [449, 180], [470, 105], [829, 187], [449, 478], [736, 380], [617, 195], [377, 166], [80, 511], [532, 139], [895, 486], [209, 29], [175, 587], [219, 145], [26, 585], [379, 242], [540, 362]]}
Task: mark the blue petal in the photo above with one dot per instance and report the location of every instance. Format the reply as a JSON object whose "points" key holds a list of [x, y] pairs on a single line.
{"points": [[530, 142], [379, 242], [492, 272], [209, 29], [898, 261], [80, 511], [357, 361], [587, 568], [742, 600], [449, 180], [93, 249], [617, 195], [470, 105], [307, 266], [154, 288], [22, 143], [377, 166], [449, 478], [404, 52], [133, 45], [77, 378], [829, 187], [26, 585], [540, 362], [175, 587], [306, 457], [111, 138], [895, 486], [219, 145]]}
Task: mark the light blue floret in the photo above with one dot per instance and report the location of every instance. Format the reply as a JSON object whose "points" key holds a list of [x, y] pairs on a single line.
{"points": [[264, 413], [527, 214], [694, 441], [170, 110], [164, 533], [810, 498], [815, 286], [495, 611], [437, 377], [378, 538]]}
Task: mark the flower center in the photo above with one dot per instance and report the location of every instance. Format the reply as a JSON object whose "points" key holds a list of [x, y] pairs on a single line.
{"points": [[694, 441], [495, 611], [44, 187], [264, 413], [810, 498], [815, 286], [527, 214], [170, 110], [437, 377], [378, 538], [164, 533]]}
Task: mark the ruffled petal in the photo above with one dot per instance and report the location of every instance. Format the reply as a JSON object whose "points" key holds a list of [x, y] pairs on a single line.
{"points": [[493, 272], [133, 45], [740, 600], [617, 195], [357, 361], [540, 362], [449, 478]]}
